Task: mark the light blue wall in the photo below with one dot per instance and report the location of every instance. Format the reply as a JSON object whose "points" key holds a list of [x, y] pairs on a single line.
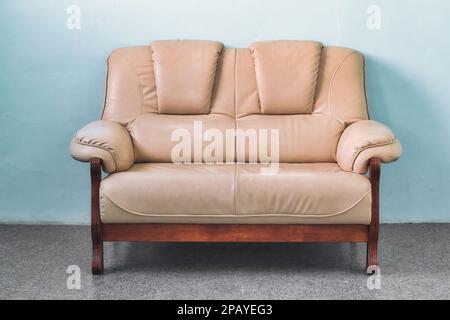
{"points": [[52, 83]]}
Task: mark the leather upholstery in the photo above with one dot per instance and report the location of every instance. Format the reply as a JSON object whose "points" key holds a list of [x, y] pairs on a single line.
{"points": [[222, 100], [184, 75], [111, 213], [130, 85], [173, 189], [313, 95], [300, 189], [286, 75], [152, 134], [296, 133], [247, 96], [107, 140], [364, 140], [131, 88], [300, 193], [340, 87]]}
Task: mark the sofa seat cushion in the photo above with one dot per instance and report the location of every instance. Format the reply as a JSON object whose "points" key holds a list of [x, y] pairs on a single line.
{"points": [[318, 193], [172, 189], [313, 190]]}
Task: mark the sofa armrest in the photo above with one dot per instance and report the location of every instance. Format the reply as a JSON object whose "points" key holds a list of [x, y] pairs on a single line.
{"points": [[107, 140], [364, 140]]}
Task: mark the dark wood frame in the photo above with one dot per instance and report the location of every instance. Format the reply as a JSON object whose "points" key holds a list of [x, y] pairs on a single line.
{"points": [[173, 232]]}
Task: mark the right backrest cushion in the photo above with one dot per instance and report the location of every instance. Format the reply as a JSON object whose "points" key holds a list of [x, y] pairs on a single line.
{"points": [[309, 124], [286, 75]]}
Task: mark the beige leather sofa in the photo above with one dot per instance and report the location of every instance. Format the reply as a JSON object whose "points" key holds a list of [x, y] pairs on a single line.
{"points": [[313, 96]]}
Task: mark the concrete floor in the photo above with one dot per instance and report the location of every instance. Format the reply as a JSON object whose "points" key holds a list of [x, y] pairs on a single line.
{"points": [[414, 264]]}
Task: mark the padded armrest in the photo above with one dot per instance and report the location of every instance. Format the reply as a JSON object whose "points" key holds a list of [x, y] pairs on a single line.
{"points": [[363, 140], [107, 140]]}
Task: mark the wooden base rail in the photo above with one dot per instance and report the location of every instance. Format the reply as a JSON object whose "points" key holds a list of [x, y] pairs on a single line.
{"points": [[174, 232], [234, 233]]}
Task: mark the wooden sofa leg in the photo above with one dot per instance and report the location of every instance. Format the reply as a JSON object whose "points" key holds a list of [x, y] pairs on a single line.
{"points": [[372, 243], [96, 223]]}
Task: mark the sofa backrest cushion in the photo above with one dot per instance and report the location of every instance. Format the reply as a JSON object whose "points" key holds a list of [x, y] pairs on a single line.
{"points": [[286, 75], [156, 89], [153, 135], [184, 75]]}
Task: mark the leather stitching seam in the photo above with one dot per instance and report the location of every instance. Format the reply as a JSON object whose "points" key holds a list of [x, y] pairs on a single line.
{"points": [[98, 147], [369, 147], [242, 215], [330, 108], [141, 87]]}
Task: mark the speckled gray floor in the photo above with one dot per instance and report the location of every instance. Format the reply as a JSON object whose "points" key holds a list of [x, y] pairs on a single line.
{"points": [[415, 262]]}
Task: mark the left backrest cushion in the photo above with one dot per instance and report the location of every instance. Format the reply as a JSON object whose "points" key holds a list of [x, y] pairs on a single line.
{"points": [[184, 75]]}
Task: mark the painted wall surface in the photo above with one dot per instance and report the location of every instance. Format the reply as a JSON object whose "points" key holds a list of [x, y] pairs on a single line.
{"points": [[52, 83]]}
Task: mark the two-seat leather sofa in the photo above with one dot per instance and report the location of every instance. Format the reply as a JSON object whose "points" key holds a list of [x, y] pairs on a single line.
{"points": [[313, 96]]}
